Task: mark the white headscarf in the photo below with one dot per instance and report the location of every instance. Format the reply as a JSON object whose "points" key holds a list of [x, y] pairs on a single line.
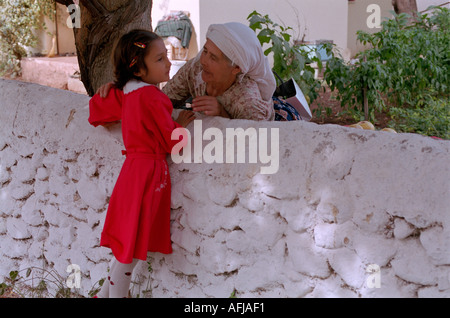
{"points": [[241, 45]]}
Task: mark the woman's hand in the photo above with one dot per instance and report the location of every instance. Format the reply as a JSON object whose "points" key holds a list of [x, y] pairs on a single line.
{"points": [[210, 106], [103, 91], [185, 118]]}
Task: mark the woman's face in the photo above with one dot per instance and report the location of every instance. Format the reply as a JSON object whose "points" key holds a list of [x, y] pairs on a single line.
{"points": [[216, 67]]}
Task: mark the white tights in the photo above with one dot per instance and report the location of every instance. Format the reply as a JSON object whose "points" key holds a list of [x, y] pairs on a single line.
{"points": [[118, 282]]}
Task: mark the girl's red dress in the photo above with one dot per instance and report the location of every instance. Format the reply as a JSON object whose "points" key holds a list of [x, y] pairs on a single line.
{"points": [[138, 216]]}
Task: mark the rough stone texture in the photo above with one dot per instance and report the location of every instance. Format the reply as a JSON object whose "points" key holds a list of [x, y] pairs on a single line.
{"points": [[342, 200]]}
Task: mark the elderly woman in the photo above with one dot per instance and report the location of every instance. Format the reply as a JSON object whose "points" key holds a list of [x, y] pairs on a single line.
{"points": [[230, 77]]}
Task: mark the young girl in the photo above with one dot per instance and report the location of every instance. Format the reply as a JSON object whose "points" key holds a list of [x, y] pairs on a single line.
{"points": [[138, 217]]}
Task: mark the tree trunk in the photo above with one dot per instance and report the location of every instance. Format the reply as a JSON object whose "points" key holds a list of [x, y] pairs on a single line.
{"points": [[103, 22], [405, 6]]}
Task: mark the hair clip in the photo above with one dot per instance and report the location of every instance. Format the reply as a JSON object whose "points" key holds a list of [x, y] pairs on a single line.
{"points": [[133, 61], [140, 45]]}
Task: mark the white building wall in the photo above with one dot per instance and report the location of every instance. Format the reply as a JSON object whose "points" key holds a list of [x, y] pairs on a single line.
{"points": [[364, 16], [424, 4], [311, 19]]}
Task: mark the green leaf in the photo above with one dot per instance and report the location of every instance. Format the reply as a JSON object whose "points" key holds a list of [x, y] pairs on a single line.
{"points": [[13, 275], [264, 36], [268, 51], [286, 36]]}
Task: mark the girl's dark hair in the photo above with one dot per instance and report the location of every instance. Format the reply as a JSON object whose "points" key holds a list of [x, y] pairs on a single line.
{"points": [[128, 48]]}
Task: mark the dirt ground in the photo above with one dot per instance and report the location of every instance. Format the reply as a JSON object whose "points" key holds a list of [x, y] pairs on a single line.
{"points": [[327, 100]]}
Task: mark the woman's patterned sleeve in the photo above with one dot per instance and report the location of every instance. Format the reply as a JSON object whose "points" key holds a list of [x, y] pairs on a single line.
{"points": [[245, 102], [178, 88]]}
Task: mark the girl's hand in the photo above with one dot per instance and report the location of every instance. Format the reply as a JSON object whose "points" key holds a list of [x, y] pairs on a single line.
{"points": [[210, 106], [103, 91], [185, 118]]}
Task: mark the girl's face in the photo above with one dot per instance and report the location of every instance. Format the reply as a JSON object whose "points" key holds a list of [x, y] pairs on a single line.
{"points": [[157, 63]]}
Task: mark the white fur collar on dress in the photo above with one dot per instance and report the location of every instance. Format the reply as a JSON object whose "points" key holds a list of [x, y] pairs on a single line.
{"points": [[134, 85]]}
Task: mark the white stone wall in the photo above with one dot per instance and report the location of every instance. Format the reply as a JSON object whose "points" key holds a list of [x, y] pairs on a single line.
{"points": [[344, 201]]}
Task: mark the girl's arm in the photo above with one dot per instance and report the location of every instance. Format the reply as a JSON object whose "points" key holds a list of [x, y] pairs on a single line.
{"points": [[106, 110]]}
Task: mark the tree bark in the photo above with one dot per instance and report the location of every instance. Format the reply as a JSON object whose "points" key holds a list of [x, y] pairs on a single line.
{"points": [[405, 6], [103, 22]]}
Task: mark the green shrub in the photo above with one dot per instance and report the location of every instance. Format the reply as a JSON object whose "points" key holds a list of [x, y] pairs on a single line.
{"points": [[432, 119], [18, 20], [290, 60], [405, 71]]}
